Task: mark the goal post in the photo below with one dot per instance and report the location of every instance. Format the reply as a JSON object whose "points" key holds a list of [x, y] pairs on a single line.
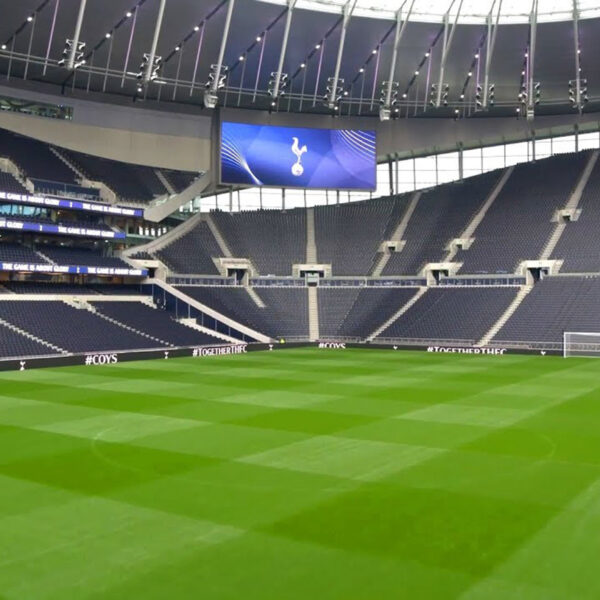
{"points": [[581, 343]]}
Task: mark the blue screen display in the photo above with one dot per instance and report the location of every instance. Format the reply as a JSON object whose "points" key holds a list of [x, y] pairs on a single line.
{"points": [[342, 159]]}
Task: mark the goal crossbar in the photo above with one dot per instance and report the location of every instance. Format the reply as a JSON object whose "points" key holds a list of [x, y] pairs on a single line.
{"points": [[584, 344]]}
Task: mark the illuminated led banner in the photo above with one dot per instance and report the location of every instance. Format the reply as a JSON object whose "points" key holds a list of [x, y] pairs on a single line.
{"points": [[265, 155], [72, 270], [50, 202], [59, 229]]}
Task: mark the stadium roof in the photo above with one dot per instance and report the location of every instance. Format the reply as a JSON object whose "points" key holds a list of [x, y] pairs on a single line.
{"points": [[468, 11], [509, 48]]}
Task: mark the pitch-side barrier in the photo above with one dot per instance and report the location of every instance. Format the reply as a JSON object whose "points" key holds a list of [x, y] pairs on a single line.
{"points": [[97, 359]]}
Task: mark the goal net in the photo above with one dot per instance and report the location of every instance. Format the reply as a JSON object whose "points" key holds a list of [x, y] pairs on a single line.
{"points": [[581, 343]]}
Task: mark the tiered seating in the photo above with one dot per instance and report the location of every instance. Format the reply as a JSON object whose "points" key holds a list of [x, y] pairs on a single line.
{"points": [[285, 313], [193, 252], [579, 245], [9, 184], [179, 180], [233, 302], [15, 345], [34, 158], [334, 305], [464, 314], [42, 220], [87, 223], [64, 255], [272, 240], [154, 322], [555, 305], [348, 236], [129, 182], [142, 255], [370, 308], [396, 215], [75, 330], [56, 188], [41, 287], [519, 222], [115, 289], [19, 254], [441, 215], [72, 289]]}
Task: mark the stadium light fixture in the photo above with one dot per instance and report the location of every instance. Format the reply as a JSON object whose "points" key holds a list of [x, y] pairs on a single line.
{"points": [[74, 52], [388, 99]]}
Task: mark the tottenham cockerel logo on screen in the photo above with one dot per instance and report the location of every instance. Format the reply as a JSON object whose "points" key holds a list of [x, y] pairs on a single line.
{"points": [[297, 168]]}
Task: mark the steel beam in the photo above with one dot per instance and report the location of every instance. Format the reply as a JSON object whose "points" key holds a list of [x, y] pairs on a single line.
{"points": [[531, 59], [449, 31], [51, 36], [347, 11], [76, 35], [400, 29], [286, 34], [492, 30], [578, 102], [215, 84], [157, 28]]}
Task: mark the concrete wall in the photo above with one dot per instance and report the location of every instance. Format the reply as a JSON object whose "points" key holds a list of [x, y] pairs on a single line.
{"points": [[138, 134], [405, 137], [127, 133]]}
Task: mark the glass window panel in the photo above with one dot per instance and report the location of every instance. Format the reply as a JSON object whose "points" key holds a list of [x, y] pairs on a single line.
{"points": [[294, 198], [447, 167], [425, 171], [516, 153], [589, 141], [493, 158], [406, 182], [543, 148], [471, 162], [560, 145], [383, 180]]}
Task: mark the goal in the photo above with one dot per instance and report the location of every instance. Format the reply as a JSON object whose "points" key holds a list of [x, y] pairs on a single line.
{"points": [[581, 343]]}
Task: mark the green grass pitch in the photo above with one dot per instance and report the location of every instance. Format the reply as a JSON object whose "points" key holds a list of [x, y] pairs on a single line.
{"points": [[302, 474]]}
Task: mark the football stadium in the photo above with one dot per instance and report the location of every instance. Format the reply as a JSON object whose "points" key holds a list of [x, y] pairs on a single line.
{"points": [[299, 299]]}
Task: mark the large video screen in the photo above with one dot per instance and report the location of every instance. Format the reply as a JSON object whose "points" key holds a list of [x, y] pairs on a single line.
{"points": [[266, 155]]}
